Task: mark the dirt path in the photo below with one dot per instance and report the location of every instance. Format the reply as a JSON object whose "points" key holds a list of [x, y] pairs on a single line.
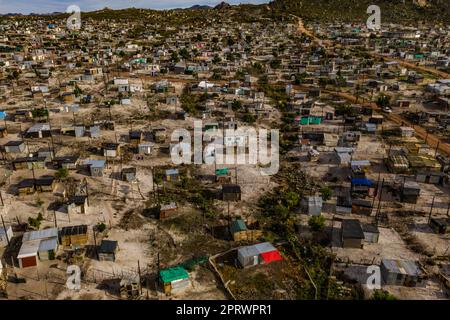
{"points": [[410, 65], [431, 139], [301, 28], [328, 43]]}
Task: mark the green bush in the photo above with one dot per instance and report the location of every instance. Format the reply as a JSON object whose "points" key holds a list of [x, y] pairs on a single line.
{"points": [[317, 223], [249, 118], [62, 173], [382, 295], [326, 193], [35, 222], [100, 227]]}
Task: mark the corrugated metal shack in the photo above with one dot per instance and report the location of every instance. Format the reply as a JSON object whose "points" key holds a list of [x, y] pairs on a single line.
{"points": [[401, 272]]}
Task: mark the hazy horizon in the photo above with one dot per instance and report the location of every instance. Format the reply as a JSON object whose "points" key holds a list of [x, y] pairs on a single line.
{"points": [[49, 6]]}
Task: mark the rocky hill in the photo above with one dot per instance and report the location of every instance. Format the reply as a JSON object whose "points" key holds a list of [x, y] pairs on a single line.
{"points": [[412, 11]]}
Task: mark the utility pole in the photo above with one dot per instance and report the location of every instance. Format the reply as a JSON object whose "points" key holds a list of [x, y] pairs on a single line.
{"points": [[6, 231], [377, 215], [54, 215], [378, 184], [140, 279], [51, 150], [50, 128], [32, 170], [431, 210], [437, 148], [87, 191], [1, 199], [95, 243]]}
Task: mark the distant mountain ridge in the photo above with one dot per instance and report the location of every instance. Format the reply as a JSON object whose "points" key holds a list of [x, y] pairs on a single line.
{"points": [[396, 11], [199, 7]]}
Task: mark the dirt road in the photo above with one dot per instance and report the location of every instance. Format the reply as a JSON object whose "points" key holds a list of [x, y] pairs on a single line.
{"points": [[431, 139], [410, 65], [301, 28], [328, 43]]}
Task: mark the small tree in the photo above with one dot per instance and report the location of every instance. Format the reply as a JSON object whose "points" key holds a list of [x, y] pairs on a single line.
{"points": [[249, 118], [36, 222], [237, 105], [326, 193], [382, 295], [383, 101], [184, 53], [291, 199], [216, 59], [100, 227], [317, 223], [175, 58], [62, 174]]}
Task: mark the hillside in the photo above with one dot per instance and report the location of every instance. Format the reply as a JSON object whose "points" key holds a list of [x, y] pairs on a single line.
{"points": [[410, 11], [396, 11]]}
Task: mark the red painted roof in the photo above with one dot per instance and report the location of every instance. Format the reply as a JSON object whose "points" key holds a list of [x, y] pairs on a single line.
{"points": [[271, 256]]}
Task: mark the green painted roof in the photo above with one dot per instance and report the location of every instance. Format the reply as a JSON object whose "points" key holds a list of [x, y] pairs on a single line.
{"points": [[172, 274], [221, 171], [237, 225]]}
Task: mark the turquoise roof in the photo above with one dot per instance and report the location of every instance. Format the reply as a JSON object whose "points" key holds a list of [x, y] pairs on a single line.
{"points": [[237, 225], [172, 274]]}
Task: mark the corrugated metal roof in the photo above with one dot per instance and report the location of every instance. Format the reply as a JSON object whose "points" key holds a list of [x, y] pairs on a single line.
{"points": [[360, 163], [173, 274], [237, 225], [170, 172], [248, 251], [29, 249], [314, 201], [39, 127], [3, 231], [95, 131], [48, 244], [401, 266], [40, 234], [222, 171], [169, 206], [108, 246], [343, 150], [264, 247], [351, 229], [95, 163]]}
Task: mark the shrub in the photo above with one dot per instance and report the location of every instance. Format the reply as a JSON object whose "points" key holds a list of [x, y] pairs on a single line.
{"points": [[36, 222], [100, 227], [382, 295], [317, 223], [326, 193], [249, 118], [62, 173]]}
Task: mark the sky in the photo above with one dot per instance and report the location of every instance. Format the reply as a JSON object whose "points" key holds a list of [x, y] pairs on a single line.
{"points": [[48, 6]]}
